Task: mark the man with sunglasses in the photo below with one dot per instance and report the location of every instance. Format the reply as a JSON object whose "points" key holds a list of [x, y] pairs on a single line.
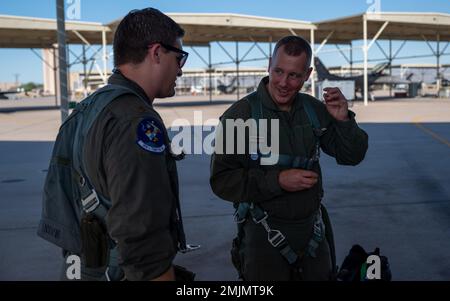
{"points": [[127, 154]]}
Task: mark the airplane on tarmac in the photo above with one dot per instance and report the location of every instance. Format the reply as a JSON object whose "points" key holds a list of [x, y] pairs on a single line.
{"points": [[196, 89], [374, 77], [4, 93], [227, 89]]}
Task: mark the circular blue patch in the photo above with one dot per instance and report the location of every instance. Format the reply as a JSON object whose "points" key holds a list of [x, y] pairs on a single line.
{"points": [[254, 156], [150, 136]]}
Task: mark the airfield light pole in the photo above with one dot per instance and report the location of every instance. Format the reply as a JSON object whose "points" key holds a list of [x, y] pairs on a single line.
{"points": [[62, 59], [16, 75]]}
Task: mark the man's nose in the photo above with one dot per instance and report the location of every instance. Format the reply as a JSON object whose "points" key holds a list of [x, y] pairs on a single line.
{"points": [[180, 72], [283, 81]]}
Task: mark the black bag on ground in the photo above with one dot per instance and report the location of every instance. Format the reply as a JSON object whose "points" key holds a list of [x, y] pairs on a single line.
{"points": [[353, 267]]}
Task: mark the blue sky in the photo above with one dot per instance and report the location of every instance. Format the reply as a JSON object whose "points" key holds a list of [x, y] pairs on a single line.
{"points": [[25, 63]]}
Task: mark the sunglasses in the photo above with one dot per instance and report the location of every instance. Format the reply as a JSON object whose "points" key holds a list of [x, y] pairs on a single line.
{"points": [[181, 59]]}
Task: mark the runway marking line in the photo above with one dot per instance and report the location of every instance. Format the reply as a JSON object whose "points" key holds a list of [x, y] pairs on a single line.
{"points": [[416, 122]]}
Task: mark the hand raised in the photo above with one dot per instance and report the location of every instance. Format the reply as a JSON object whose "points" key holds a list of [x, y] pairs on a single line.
{"points": [[336, 103]]}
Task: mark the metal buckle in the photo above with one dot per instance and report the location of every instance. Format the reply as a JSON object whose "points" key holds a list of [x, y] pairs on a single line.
{"points": [[107, 274], [275, 237], [108, 277], [237, 220], [190, 248], [91, 202], [319, 132], [257, 221], [319, 226]]}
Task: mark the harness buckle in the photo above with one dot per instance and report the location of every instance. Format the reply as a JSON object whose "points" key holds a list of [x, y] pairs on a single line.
{"points": [[114, 274], [91, 202], [319, 132], [258, 221], [275, 237], [237, 219], [318, 231]]}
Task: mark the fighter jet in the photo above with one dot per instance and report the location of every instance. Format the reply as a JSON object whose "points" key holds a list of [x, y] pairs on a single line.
{"points": [[374, 77], [227, 89], [4, 93]]}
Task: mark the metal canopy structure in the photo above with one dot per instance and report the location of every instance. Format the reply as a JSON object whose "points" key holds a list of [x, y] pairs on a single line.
{"points": [[26, 32], [401, 26], [30, 32], [386, 26], [202, 28]]}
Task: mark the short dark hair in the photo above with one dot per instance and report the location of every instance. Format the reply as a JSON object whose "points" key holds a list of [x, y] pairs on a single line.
{"points": [[294, 45], [140, 28]]}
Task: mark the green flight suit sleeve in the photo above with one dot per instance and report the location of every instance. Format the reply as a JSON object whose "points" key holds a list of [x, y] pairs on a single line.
{"points": [[343, 140], [142, 202], [232, 178]]}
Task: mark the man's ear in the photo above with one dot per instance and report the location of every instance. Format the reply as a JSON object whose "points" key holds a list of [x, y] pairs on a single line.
{"points": [[154, 53], [308, 73], [270, 63]]}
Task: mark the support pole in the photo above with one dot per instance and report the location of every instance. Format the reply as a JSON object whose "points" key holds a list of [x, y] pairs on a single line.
{"points": [[270, 47], [323, 42], [351, 58], [68, 65], [237, 68], [55, 75], [85, 79], [365, 50], [366, 53], [313, 83], [380, 31], [104, 58], [62, 66], [438, 75], [390, 66], [210, 72]]}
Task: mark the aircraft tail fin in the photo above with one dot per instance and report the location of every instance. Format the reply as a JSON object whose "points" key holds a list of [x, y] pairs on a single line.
{"points": [[409, 77], [321, 70], [378, 69]]}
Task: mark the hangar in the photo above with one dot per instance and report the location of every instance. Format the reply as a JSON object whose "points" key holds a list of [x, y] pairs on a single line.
{"points": [[204, 29]]}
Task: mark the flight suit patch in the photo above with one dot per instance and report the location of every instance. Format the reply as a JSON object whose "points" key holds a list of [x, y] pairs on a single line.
{"points": [[150, 137]]}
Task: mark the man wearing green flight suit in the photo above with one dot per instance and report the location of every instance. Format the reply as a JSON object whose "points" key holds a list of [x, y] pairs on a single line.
{"points": [[283, 230], [128, 159]]}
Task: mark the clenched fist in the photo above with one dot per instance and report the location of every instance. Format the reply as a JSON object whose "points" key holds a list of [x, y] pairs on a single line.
{"points": [[297, 179]]}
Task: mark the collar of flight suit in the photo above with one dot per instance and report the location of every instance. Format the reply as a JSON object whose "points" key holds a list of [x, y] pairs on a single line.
{"points": [[117, 78], [269, 103]]}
